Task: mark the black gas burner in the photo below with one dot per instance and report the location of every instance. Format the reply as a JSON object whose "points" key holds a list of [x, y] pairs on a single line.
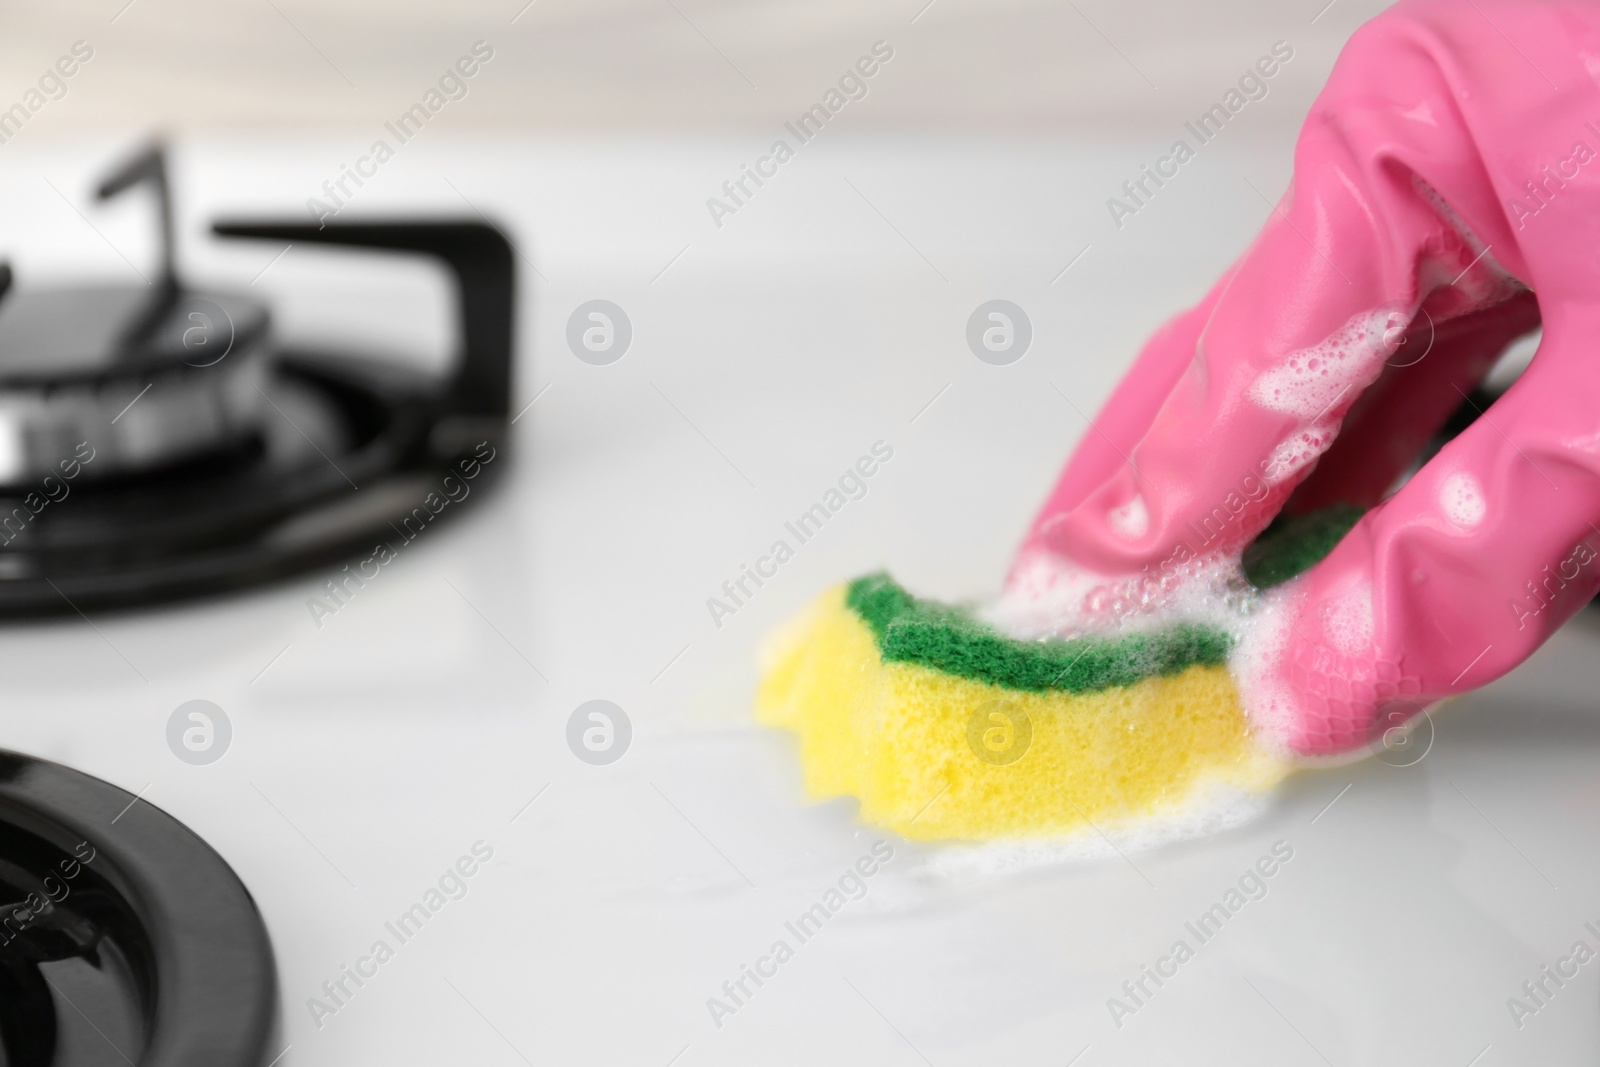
{"points": [[156, 443], [123, 937]]}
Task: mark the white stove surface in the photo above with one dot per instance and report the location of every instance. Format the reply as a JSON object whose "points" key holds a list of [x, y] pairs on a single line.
{"points": [[372, 752]]}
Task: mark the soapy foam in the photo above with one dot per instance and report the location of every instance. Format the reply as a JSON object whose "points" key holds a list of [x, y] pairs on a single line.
{"points": [[1295, 454], [1309, 382], [1316, 385], [1209, 809], [1050, 597], [1461, 498], [1131, 520], [1260, 649], [1347, 621], [1589, 442]]}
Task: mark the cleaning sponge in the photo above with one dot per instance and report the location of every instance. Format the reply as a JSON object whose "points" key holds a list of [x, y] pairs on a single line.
{"points": [[945, 728]]}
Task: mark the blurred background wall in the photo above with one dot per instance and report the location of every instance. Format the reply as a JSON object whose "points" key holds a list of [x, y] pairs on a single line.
{"points": [[193, 66]]}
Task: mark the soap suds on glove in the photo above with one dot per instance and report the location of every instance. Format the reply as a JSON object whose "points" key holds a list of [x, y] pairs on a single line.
{"points": [[1461, 499]]}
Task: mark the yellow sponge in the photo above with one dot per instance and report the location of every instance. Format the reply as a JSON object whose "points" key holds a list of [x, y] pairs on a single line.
{"points": [[945, 729]]}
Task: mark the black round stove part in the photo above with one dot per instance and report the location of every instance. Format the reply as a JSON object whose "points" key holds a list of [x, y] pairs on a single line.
{"points": [[73, 361], [124, 938], [338, 457]]}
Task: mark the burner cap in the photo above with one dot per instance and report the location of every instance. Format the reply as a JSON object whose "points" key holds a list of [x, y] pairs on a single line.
{"points": [[99, 336], [139, 378]]}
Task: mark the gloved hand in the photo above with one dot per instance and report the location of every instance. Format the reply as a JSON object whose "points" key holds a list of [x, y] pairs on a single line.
{"points": [[1446, 199]]}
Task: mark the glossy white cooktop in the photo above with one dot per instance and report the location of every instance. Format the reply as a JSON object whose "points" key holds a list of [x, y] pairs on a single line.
{"points": [[424, 725]]}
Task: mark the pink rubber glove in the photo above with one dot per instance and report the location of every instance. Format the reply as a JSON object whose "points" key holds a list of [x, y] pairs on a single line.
{"points": [[1451, 166]]}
